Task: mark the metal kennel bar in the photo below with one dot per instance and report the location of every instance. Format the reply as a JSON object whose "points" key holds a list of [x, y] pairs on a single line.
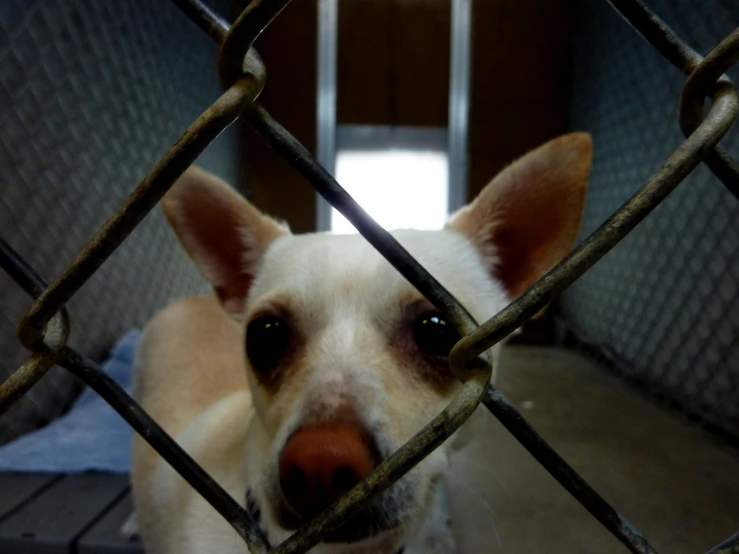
{"points": [[44, 329]]}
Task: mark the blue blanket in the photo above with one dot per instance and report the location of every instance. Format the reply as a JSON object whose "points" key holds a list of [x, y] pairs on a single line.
{"points": [[90, 437]]}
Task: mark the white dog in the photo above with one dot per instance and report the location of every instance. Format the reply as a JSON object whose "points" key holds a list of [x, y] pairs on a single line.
{"points": [[316, 359]]}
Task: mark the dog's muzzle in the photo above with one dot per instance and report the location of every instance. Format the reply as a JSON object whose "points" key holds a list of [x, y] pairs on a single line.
{"points": [[369, 522], [383, 514], [320, 462]]}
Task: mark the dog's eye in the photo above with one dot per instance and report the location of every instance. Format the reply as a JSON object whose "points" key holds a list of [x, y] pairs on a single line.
{"points": [[434, 335], [267, 341]]}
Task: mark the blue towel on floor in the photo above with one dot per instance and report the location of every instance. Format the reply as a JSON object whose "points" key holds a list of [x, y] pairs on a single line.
{"points": [[90, 437]]}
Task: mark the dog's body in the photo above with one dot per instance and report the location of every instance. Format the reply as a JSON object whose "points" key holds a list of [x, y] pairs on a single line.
{"points": [[213, 430], [345, 360]]}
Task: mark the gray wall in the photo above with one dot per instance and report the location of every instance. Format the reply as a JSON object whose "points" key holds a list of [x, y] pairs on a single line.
{"points": [[664, 301], [92, 93]]}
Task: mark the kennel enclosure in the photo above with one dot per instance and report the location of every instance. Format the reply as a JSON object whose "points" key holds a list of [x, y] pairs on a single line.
{"points": [[45, 327]]}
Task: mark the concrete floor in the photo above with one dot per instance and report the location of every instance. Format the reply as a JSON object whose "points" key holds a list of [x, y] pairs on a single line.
{"points": [[678, 485]]}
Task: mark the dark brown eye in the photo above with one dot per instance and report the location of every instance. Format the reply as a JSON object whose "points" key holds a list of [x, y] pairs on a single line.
{"points": [[434, 335], [267, 342]]}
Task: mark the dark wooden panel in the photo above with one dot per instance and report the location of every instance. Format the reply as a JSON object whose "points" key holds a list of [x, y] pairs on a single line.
{"points": [[393, 69], [16, 488], [421, 37], [364, 62], [105, 538], [393, 62], [520, 81], [393, 65], [288, 47], [51, 521]]}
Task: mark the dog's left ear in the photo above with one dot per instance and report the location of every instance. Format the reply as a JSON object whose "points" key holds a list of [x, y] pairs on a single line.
{"points": [[527, 219], [224, 234]]}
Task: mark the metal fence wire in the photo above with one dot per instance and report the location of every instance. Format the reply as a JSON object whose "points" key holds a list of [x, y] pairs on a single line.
{"points": [[96, 92], [45, 328], [662, 305]]}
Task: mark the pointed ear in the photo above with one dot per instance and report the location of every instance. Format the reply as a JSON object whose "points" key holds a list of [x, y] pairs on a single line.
{"points": [[223, 233], [527, 219]]}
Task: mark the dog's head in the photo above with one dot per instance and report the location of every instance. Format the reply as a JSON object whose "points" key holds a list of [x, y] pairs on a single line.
{"points": [[346, 360]]}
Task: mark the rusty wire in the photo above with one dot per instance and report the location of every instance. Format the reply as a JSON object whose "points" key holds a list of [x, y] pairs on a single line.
{"points": [[678, 53], [24, 378], [91, 374], [729, 546], [673, 171], [237, 43], [30, 373], [44, 329], [144, 197], [209, 21], [705, 77]]}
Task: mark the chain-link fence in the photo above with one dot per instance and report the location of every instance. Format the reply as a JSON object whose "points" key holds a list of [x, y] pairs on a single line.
{"points": [[45, 328], [662, 306], [91, 94]]}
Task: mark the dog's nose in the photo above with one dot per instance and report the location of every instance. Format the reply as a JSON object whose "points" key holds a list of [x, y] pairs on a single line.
{"points": [[322, 462]]}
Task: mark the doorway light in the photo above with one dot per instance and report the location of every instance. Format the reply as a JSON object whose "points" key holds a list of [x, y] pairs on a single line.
{"points": [[399, 188]]}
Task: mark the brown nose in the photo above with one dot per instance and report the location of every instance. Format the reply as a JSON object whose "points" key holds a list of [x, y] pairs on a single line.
{"points": [[322, 462]]}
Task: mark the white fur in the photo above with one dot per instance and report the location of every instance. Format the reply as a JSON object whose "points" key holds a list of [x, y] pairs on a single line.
{"points": [[332, 279], [347, 294], [350, 308]]}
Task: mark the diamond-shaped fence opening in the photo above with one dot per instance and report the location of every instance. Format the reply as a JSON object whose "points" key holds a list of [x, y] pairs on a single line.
{"points": [[45, 327]]}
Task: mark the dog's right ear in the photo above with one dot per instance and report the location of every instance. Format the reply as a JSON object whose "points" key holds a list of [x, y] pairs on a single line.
{"points": [[223, 233]]}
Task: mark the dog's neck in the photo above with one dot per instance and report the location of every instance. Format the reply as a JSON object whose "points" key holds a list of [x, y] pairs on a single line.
{"points": [[255, 512]]}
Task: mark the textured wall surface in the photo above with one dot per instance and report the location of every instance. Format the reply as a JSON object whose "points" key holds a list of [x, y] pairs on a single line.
{"points": [[92, 93], [664, 301]]}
